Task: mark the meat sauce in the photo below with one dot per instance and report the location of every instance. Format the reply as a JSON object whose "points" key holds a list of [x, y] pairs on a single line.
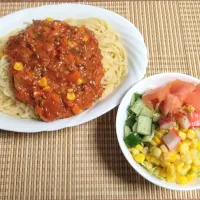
{"points": [[55, 68]]}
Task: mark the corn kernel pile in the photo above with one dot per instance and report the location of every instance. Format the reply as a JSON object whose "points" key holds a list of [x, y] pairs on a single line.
{"points": [[180, 165]]}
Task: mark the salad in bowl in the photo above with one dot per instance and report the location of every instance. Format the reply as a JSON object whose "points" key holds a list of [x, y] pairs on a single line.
{"points": [[160, 129]]}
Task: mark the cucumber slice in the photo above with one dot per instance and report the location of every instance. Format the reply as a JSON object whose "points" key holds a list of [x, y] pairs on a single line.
{"points": [[134, 128], [130, 121], [132, 140], [148, 138], [147, 112], [127, 131], [137, 107], [156, 117], [135, 97], [144, 125]]}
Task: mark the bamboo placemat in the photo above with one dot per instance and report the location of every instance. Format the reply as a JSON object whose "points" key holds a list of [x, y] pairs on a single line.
{"points": [[85, 162]]}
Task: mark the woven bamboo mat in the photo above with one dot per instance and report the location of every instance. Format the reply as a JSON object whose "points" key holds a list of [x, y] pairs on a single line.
{"points": [[85, 162]]}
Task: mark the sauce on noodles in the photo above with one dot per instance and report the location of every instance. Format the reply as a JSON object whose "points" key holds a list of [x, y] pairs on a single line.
{"points": [[55, 68]]}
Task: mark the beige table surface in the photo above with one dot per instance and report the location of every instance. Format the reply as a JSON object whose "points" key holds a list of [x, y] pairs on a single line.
{"points": [[85, 162]]}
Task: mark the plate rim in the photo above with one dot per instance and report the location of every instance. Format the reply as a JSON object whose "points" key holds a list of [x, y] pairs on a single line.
{"points": [[109, 12]]}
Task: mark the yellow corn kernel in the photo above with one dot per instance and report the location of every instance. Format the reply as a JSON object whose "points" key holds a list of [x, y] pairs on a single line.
{"points": [[79, 81], [178, 167], [171, 178], [196, 161], [159, 134], [46, 88], [152, 149], [186, 158], [163, 172], [42, 82], [176, 127], [163, 131], [148, 165], [185, 169], [183, 130], [70, 90], [134, 151], [183, 147], [72, 43], [157, 171], [18, 66], [148, 157], [188, 141], [191, 134], [194, 153], [156, 140], [194, 169], [170, 169], [154, 160], [163, 148], [145, 150], [189, 108], [178, 157], [153, 143], [82, 29], [139, 158], [169, 156], [198, 167], [165, 164], [85, 38], [139, 147], [198, 146], [182, 135], [190, 176], [1, 54], [194, 144], [157, 152], [71, 96], [49, 19], [181, 179]]}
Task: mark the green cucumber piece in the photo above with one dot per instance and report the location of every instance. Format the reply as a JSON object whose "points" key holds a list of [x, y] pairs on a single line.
{"points": [[132, 140], [148, 138], [147, 112], [144, 125], [134, 128], [130, 121], [127, 131], [135, 97], [137, 107], [156, 117]]}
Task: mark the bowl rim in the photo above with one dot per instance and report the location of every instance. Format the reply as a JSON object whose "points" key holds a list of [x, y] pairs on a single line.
{"points": [[151, 178]]}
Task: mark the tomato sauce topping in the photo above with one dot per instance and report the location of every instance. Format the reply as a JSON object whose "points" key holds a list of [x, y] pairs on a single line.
{"points": [[55, 68]]}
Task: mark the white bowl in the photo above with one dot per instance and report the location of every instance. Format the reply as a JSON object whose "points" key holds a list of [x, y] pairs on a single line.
{"points": [[141, 87], [130, 36]]}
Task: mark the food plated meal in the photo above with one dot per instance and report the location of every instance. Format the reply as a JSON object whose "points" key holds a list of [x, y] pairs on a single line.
{"points": [[162, 132], [59, 68], [120, 60]]}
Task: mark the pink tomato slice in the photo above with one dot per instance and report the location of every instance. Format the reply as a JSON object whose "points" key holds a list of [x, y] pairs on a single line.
{"points": [[193, 99], [152, 97], [181, 89], [171, 104]]}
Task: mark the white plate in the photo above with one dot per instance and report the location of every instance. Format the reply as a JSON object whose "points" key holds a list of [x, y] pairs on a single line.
{"points": [[131, 38], [150, 83]]}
